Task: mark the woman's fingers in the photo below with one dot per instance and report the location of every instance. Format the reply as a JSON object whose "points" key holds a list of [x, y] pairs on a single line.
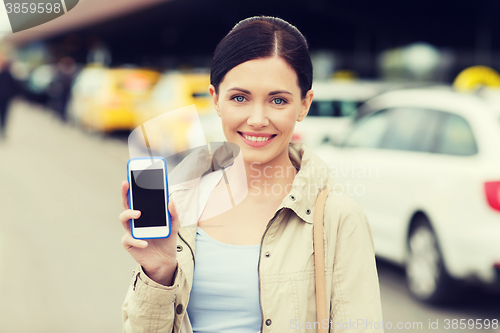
{"points": [[125, 194], [129, 242], [173, 217], [126, 216], [171, 210]]}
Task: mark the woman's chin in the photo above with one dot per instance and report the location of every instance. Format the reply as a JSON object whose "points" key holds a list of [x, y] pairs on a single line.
{"points": [[258, 157]]}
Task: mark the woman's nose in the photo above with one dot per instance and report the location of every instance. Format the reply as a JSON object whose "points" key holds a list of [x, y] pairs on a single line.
{"points": [[258, 117]]}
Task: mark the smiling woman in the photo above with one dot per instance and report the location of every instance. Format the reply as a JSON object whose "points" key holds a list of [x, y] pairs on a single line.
{"points": [[259, 103], [255, 267]]}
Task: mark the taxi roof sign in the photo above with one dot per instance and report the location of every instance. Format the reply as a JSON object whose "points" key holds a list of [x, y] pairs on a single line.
{"points": [[475, 77]]}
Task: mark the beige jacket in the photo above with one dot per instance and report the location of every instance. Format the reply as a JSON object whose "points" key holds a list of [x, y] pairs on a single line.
{"points": [[286, 265]]}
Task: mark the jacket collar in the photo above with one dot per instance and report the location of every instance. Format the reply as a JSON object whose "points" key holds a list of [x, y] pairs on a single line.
{"points": [[312, 177]]}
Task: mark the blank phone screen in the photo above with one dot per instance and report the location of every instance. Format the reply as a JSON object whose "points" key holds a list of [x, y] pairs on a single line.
{"points": [[148, 196]]}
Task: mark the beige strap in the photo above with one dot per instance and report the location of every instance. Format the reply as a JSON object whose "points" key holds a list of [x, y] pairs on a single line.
{"points": [[319, 261]]}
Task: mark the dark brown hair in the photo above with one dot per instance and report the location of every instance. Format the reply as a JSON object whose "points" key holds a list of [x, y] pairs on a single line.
{"points": [[261, 37]]}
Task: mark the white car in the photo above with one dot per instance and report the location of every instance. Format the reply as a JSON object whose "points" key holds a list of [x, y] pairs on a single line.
{"points": [[333, 109], [425, 167]]}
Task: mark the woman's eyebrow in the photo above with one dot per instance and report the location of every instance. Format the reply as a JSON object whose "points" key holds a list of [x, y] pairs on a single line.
{"points": [[242, 90], [275, 92]]}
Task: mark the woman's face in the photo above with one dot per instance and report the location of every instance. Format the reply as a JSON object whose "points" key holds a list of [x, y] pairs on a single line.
{"points": [[259, 102]]}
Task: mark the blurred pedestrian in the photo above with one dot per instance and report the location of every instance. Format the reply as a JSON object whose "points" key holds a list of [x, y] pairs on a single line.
{"points": [[61, 86], [99, 54], [8, 89]]}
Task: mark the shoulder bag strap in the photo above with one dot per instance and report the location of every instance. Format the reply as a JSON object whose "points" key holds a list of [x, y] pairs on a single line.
{"points": [[319, 260]]}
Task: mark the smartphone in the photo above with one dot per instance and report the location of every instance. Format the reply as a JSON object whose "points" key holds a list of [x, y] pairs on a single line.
{"points": [[148, 193]]}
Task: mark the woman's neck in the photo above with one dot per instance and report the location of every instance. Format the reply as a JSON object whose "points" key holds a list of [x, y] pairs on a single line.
{"points": [[265, 182], [272, 179]]}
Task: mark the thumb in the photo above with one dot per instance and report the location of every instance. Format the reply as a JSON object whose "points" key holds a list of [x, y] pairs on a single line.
{"points": [[173, 214]]}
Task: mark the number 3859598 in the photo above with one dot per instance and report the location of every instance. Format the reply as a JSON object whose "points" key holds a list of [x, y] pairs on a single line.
{"points": [[39, 7]]}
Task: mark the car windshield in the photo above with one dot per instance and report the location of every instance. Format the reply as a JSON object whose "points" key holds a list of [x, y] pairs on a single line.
{"points": [[201, 94], [338, 108]]}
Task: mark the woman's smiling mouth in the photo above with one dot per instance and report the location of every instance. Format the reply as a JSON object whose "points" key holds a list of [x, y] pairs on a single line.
{"points": [[256, 139]]}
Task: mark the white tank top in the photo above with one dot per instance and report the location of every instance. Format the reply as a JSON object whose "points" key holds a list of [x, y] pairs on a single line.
{"points": [[225, 292]]}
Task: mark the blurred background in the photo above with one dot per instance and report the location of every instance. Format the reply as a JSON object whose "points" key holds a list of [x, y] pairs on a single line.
{"points": [[406, 112]]}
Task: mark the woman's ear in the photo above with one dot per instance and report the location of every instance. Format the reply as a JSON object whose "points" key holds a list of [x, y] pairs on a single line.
{"points": [[306, 104], [215, 98]]}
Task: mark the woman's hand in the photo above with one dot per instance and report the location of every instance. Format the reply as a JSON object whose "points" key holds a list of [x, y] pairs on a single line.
{"points": [[158, 257]]}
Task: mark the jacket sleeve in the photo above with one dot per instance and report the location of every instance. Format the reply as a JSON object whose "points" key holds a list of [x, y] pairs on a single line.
{"points": [[149, 306], [355, 299]]}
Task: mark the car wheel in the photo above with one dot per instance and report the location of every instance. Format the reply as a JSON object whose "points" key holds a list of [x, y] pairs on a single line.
{"points": [[426, 275]]}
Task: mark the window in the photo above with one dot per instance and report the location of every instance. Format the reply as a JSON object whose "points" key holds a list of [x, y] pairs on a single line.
{"points": [[348, 107], [322, 109], [425, 139], [201, 94], [455, 137], [411, 129], [341, 108], [369, 131]]}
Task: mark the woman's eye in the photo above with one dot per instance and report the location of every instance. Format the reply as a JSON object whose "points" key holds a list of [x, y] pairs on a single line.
{"points": [[279, 101], [239, 99]]}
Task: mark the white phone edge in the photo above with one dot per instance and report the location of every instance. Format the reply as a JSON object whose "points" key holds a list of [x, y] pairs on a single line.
{"points": [[148, 232]]}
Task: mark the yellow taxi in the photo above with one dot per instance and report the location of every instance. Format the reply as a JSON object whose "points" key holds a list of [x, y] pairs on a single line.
{"points": [[177, 130], [106, 99]]}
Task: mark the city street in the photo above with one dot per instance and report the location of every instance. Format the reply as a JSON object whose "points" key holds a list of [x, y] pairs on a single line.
{"points": [[62, 263], [62, 266]]}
